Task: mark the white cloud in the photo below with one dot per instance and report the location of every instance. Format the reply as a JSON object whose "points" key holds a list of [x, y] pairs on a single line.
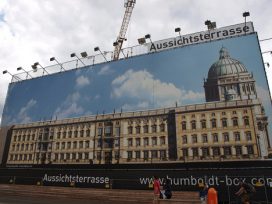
{"points": [[105, 70], [146, 91], [70, 107], [82, 81], [23, 115]]}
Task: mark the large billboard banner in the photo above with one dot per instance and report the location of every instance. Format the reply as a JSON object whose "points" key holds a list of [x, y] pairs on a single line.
{"points": [[157, 80]]}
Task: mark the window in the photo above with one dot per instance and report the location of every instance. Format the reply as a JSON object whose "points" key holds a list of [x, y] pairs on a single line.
{"points": [[227, 151], [204, 138], [87, 144], [79, 155], [138, 129], [64, 135], [185, 152], [183, 125], [86, 155], [162, 154], [216, 151], [162, 140], [116, 155], [146, 154], [195, 152], [57, 145], [99, 143], [238, 150], [246, 121], [67, 156], [74, 145], [154, 128], [130, 142], [108, 130], [63, 145], [226, 137], [146, 129], [100, 131], [193, 123], [154, 141], [58, 135], [194, 138], [68, 145], [70, 134], [137, 154], [250, 149], [203, 124], [235, 121], [224, 122], [117, 131], [98, 154], [237, 136], [162, 127], [213, 123], [146, 141], [116, 142], [88, 133], [184, 139], [215, 137], [138, 142], [205, 151], [154, 154], [248, 136], [129, 154], [81, 144], [130, 130], [81, 133], [75, 133]]}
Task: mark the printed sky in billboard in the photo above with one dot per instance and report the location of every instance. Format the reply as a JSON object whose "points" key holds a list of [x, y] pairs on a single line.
{"points": [[149, 81]]}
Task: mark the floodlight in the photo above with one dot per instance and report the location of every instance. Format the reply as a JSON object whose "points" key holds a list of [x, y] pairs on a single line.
{"points": [[141, 41], [97, 49], [74, 55], [246, 14], [147, 36], [177, 30], [13, 76], [115, 44], [27, 74], [84, 54], [207, 22], [54, 59]]}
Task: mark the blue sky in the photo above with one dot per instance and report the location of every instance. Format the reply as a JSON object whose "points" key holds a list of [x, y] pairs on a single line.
{"points": [[138, 83]]}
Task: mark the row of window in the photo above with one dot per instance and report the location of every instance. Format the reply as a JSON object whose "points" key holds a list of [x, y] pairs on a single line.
{"points": [[224, 122], [146, 129], [146, 154], [203, 115], [146, 141], [227, 151], [226, 137]]}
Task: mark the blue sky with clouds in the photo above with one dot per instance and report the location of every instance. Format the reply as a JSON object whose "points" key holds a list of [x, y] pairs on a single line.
{"points": [[138, 83]]}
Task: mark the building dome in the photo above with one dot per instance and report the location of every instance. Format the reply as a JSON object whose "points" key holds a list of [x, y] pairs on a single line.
{"points": [[225, 66]]}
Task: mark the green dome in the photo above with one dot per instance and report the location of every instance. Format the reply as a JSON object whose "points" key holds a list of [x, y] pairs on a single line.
{"points": [[226, 66]]}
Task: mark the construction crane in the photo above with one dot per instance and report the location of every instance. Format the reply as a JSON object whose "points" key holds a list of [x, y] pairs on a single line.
{"points": [[129, 5]]}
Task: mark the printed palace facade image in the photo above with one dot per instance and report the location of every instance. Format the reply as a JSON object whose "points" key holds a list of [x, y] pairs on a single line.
{"points": [[231, 125]]}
